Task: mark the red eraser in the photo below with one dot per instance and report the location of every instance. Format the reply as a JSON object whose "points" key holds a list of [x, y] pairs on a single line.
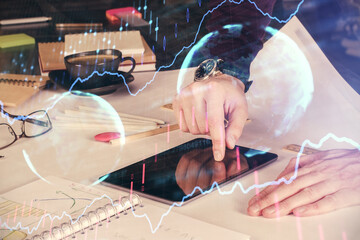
{"points": [[111, 14], [107, 136]]}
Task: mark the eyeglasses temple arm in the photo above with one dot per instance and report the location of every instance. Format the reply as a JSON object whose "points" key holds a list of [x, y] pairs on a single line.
{"points": [[37, 122]]}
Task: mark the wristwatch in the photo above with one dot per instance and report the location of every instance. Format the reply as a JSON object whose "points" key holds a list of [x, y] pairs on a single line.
{"points": [[212, 67]]}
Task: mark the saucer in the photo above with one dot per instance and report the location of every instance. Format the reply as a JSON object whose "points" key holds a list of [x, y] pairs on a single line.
{"points": [[62, 78]]}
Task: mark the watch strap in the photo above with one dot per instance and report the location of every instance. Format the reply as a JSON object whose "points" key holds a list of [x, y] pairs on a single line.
{"points": [[230, 70]]}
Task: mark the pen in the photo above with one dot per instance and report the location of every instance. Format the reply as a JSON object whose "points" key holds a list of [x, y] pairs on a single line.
{"points": [[24, 20], [78, 25]]}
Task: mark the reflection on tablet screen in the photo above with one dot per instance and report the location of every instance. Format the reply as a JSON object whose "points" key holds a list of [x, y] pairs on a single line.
{"points": [[173, 174]]}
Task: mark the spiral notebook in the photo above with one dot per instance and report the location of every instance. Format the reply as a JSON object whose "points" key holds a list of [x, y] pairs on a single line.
{"points": [[61, 209], [16, 88]]}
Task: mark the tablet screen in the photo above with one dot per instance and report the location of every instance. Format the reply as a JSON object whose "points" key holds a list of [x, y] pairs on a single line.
{"points": [[172, 176]]}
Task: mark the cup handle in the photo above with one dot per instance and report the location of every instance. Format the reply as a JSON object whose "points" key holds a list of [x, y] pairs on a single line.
{"points": [[133, 64]]}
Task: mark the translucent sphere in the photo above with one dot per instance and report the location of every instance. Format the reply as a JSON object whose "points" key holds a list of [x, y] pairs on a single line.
{"points": [[282, 79], [70, 148]]}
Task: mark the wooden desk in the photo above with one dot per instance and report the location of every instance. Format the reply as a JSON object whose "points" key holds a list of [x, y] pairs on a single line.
{"points": [[76, 156]]}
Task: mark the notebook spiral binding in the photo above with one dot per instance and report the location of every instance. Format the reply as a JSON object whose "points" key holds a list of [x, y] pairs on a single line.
{"points": [[19, 82], [91, 219]]}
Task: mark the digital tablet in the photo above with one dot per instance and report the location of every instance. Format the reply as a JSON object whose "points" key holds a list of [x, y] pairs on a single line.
{"points": [[178, 174]]}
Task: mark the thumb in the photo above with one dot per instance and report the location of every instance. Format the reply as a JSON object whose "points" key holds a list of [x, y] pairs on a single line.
{"points": [[237, 119]]}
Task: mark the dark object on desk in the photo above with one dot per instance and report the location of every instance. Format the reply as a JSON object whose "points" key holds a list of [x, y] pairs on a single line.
{"points": [[63, 79], [2, 156], [171, 176], [96, 64], [78, 27]]}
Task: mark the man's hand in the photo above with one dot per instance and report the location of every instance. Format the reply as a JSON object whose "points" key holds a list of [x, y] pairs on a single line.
{"points": [[326, 181], [201, 108]]}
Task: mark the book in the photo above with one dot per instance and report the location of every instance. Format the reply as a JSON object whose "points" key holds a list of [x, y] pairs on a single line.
{"points": [[51, 57], [17, 88], [55, 208], [144, 62], [128, 42]]}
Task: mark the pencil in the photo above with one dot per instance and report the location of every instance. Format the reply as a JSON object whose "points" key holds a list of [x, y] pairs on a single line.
{"points": [[146, 134], [127, 128], [126, 115], [111, 121]]}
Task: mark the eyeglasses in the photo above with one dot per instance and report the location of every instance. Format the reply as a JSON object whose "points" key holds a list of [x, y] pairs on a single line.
{"points": [[33, 125]]}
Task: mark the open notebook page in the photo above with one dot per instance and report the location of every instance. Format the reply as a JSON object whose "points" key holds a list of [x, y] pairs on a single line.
{"points": [[33, 201]]}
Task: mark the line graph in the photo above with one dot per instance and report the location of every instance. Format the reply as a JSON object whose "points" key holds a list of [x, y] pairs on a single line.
{"points": [[155, 227], [186, 47], [163, 66], [215, 185]]}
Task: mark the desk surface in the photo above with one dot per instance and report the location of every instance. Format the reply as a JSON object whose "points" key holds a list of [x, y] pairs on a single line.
{"points": [[75, 156]]}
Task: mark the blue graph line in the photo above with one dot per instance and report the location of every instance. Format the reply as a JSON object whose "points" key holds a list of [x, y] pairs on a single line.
{"points": [[185, 47], [164, 66], [140, 90], [214, 185], [275, 18]]}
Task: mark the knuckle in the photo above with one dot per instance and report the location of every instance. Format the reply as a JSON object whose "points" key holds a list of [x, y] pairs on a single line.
{"points": [[266, 201], [331, 200], [343, 175], [284, 206], [202, 131], [316, 174], [309, 192], [214, 120], [194, 131], [217, 142], [315, 206]]}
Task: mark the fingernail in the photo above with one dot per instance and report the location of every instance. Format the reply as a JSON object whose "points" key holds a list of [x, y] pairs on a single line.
{"points": [[270, 210], [231, 142], [217, 156], [300, 210], [254, 208]]}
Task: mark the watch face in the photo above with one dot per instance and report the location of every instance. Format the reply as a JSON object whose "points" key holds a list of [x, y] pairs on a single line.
{"points": [[205, 69], [209, 66]]}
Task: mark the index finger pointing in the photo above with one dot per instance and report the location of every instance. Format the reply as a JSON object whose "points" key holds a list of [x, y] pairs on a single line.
{"points": [[215, 119]]}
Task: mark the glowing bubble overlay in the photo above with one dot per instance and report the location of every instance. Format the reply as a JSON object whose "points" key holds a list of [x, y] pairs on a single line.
{"points": [[281, 91], [184, 48], [69, 147]]}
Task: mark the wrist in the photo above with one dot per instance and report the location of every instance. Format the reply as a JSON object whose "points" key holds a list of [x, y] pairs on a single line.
{"points": [[241, 77]]}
